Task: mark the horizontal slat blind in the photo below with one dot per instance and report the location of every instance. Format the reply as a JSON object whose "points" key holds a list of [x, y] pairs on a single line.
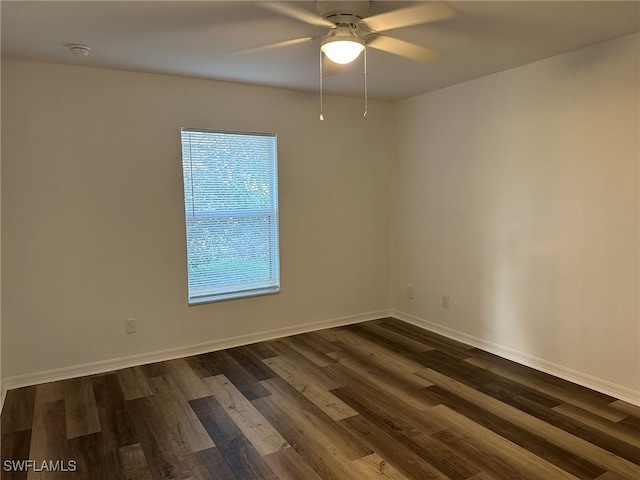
{"points": [[231, 209]]}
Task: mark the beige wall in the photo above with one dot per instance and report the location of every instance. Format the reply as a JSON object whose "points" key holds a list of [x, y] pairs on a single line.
{"points": [[93, 224], [517, 195], [2, 388]]}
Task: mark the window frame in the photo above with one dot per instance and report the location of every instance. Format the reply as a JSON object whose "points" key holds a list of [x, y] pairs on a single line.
{"points": [[267, 286]]}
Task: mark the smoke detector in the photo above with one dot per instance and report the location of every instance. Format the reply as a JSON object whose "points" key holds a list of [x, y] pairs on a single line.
{"points": [[79, 49]]}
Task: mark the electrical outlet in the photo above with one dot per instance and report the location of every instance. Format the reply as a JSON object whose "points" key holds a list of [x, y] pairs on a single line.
{"points": [[410, 291], [130, 324], [445, 301]]}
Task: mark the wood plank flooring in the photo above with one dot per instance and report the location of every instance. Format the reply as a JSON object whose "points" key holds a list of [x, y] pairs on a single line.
{"points": [[377, 400]]}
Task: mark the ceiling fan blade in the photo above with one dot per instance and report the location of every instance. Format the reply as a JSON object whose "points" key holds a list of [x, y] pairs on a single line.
{"points": [[285, 43], [404, 49], [414, 15], [297, 13]]}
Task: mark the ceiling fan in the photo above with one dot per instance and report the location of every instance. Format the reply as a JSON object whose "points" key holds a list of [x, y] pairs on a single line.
{"points": [[350, 30]]}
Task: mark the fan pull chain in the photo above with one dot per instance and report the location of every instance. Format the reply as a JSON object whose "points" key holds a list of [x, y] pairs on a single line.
{"points": [[321, 115], [366, 99]]}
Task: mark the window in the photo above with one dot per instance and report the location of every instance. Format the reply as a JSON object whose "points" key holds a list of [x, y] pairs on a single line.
{"points": [[231, 209]]}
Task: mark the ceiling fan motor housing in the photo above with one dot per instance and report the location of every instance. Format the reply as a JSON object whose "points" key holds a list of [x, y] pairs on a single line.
{"points": [[342, 12]]}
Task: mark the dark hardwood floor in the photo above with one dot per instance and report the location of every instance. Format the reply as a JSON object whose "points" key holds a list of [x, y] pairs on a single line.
{"points": [[376, 400]]}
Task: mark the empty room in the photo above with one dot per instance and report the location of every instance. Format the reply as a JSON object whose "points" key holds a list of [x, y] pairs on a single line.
{"points": [[332, 240]]}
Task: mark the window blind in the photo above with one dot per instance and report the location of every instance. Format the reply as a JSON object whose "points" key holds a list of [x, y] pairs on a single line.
{"points": [[231, 211]]}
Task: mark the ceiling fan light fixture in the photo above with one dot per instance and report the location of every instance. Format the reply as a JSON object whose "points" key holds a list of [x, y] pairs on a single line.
{"points": [[342, 49]]}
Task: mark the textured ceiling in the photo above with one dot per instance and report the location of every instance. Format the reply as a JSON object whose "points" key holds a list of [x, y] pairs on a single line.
{"points": [[202, 39]]}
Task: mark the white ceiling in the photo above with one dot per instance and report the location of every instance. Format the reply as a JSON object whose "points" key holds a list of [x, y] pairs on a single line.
{"points": [[201, 39]]}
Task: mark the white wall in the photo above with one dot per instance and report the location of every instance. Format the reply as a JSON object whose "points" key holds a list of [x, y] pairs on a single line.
{"points": [[93, 224], [517, 195], [2, 387]]}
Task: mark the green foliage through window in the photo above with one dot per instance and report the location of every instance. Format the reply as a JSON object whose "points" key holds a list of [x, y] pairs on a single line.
{"points": [[231, 211]]}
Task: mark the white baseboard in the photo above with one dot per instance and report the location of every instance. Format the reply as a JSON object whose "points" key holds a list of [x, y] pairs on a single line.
{"points": [[581, 378], [93, 368], [586, 380], [3, 394]]}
